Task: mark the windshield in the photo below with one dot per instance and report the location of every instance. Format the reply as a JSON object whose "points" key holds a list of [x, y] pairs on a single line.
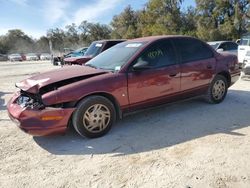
{"points": [[114, 58], [94, 49]]}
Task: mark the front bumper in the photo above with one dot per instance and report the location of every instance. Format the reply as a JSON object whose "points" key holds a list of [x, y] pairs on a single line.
{"points": [[48, 121], [246, 67], [235, 77]]}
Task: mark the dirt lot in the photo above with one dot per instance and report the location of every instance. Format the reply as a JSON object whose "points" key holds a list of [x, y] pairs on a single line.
{"points": [[190, 144]]}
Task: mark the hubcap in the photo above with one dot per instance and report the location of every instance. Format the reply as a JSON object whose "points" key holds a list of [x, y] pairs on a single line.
{"points": [[96, 118], [219, 89]]}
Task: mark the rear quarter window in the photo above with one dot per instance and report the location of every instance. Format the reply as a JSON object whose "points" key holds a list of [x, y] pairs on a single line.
{"points": [[192, 50]]}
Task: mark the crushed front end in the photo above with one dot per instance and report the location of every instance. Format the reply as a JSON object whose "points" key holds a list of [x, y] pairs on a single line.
{"points": [[33, 117]]}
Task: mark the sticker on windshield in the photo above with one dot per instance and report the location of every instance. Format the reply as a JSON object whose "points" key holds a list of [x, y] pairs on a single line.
{"points": [[117, 68], [133, 45], [98, 45]]}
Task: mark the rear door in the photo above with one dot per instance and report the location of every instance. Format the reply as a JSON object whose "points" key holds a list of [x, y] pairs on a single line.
{"points": [[197, 65]]}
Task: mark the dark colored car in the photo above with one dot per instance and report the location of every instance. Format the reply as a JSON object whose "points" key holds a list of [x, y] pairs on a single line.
{"points": [[94, 49], [130, 76]]}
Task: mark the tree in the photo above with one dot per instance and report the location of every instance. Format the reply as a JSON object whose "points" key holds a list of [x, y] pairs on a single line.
{"points": [[42, 45], [98, 31], [125, 25], [161, 17], [56, 36], [221, 20], [71, 36]]}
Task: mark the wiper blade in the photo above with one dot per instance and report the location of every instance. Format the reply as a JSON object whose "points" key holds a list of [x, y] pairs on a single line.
{"points": [[92, 66]]}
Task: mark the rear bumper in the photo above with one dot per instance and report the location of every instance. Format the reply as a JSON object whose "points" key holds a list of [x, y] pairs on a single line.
{"points": [[48, 121]]}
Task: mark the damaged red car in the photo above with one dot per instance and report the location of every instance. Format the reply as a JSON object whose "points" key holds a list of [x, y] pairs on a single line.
{"points": [[130, 76]]}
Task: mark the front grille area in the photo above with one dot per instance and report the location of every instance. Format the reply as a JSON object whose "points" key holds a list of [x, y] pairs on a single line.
{"points": [[247, 70]]}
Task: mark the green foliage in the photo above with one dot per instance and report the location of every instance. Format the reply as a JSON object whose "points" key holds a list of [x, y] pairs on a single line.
{"points": [[125, 25]]}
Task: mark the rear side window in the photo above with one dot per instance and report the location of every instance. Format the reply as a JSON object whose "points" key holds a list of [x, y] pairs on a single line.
{"points": [[232, 46], [192, 50]]}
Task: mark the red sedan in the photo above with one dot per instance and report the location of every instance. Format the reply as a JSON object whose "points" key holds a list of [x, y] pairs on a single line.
{"points": [[132, 75]]}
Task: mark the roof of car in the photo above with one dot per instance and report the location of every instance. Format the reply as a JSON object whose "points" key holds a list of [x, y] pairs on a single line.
{"points": [[153, 38], [111, 40], [215, 42]]}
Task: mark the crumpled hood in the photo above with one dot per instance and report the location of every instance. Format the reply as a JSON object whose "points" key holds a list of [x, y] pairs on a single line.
{"points": [[34, 83]]}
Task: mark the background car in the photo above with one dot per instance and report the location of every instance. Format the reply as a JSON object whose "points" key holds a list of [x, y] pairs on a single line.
{"points": [[45, 56], [94, 49], [225, 46], [243, 48], [246, 65], [32, 57], [3, 57], [15, 57]]}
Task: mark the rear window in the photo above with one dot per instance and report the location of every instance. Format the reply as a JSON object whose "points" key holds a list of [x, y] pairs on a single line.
{"points": [[244, 42]]}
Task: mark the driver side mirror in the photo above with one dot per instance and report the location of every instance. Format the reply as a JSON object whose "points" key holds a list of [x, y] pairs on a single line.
{"points": [[141, 65], [220, 50]]}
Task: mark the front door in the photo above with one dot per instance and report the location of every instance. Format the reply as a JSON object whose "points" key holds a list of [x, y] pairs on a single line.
{"points": [[160, 81]]}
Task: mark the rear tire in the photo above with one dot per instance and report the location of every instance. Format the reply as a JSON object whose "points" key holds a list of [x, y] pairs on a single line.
{"points": [[217, 90], [94, 116]]}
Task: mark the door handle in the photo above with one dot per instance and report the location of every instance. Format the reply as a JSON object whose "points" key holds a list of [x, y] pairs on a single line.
{"points": [[209, 66], [173, 74]]}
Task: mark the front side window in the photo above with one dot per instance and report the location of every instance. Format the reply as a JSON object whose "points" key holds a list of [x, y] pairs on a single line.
{"points": [[192, 50], [224, 46], [159, 54]]}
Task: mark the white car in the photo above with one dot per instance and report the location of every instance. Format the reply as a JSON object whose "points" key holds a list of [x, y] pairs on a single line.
{"points": [[243, 48], [246, 65], [15, 57], [32, 57], [45, 56]]}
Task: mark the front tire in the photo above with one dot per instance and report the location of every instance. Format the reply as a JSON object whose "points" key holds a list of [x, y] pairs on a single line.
{"points": [[94, 116], [217, 90]]}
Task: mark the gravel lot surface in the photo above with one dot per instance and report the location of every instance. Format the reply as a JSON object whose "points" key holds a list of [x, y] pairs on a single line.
{"points": [[189, 144]]}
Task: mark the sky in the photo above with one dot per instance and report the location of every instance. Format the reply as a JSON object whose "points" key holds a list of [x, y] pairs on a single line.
{"points": [[35, 17]]}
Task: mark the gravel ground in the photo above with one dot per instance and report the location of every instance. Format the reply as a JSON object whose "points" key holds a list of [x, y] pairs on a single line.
{"points": [[189, 144]]}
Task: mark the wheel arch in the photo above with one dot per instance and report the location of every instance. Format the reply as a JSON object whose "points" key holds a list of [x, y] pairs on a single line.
{"points": [[227, 76], [109, 97]]}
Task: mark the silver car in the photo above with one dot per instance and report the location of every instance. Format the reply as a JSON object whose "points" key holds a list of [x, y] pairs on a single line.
{"points": [[45, 56], [15, 57], [31, 57], [225, 46]]}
